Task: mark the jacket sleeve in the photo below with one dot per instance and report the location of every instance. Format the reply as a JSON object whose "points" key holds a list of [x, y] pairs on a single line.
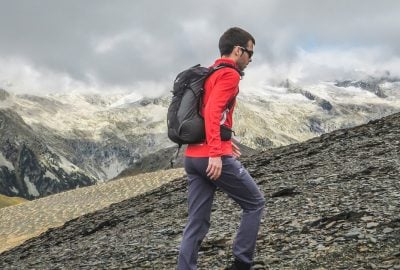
{"points": [[222, 92]]}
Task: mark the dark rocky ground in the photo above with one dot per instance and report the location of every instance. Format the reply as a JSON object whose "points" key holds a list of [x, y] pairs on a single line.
{"points": [[332, 203]]}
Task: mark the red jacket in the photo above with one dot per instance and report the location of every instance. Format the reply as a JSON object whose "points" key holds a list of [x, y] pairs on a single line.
{"points": [[219, 89]]}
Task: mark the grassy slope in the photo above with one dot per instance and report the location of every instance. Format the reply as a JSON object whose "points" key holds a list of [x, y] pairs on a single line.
{"points": [[7, 201]]}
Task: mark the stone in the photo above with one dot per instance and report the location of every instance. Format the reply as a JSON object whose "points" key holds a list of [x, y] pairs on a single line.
{"points": [[367, 218], [353, 233], [387, 230], [363, 248], [329, 239], [372, 225], [330, 225], [316, 181], [372, 239]]}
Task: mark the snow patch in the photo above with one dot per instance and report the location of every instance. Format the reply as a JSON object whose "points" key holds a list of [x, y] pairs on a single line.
{"points": [[50, 175], [67, 166], [14, 190], [32, 190], [131, 98], [357, 91], [158, 113], [5, 162]]}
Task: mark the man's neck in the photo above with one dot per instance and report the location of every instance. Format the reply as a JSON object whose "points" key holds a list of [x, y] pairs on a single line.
{"points": [[231, 57]]}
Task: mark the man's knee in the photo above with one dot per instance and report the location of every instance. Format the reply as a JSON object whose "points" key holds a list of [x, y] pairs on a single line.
{"points": [[261, 202], [257, 204], [198, 227]]}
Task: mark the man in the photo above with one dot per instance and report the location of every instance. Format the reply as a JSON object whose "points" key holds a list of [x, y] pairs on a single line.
{"points": [[213, 163]]}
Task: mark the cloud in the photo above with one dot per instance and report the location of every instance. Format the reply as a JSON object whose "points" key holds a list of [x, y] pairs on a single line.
{"points": [[107, 45], [324, 65]]}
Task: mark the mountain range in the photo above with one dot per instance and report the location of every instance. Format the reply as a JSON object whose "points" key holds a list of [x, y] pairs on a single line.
{"points": [[57, 142]]}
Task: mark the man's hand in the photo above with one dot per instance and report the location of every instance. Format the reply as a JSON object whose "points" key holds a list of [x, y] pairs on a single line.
{"points": [[235, 150], [214, 168]]}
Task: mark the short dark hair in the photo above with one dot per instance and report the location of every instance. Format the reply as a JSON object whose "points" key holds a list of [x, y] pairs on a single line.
{"points": [[232, 37]]}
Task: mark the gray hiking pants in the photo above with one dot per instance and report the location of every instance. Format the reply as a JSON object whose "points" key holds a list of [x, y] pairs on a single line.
{"points": [[237, 183]]}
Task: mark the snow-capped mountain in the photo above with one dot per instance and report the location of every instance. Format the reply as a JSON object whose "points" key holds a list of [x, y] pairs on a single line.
{"points": [[82, 139]]}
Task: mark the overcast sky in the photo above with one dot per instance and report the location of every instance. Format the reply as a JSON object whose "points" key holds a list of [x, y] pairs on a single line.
{"points": [[140, 45]]}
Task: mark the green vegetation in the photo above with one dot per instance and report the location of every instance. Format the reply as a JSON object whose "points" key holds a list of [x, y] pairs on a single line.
{"points": [[8, 201]]}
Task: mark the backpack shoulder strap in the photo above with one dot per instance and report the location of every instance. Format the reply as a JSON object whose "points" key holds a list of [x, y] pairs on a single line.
{"points": [[241, 73]]}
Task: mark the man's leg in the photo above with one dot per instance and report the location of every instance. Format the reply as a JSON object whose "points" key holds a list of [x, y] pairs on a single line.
{"points": [[237, 183], [200, 197]]}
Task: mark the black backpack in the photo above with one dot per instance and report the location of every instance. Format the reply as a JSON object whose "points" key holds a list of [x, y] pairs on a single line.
{"points": [[185, 123]]}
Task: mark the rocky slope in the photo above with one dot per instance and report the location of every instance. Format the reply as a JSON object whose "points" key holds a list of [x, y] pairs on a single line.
{"points": [[333, 202], [24, 221]]}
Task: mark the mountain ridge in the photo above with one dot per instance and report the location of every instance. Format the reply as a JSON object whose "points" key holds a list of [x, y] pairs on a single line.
{"points": [[101, 136]]}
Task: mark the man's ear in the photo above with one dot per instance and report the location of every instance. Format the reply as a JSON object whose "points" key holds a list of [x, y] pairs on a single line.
{"points": [[236, 51]]}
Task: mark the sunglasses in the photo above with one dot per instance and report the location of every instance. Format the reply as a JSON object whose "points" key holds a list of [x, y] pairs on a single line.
{"points": [[250, 53]]}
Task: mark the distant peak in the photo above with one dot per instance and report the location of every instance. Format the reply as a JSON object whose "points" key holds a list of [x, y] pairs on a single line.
{"points": [[3, 94]]}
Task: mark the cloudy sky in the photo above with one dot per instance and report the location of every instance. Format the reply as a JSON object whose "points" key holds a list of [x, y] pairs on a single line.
{"points": [[50, 46]]}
